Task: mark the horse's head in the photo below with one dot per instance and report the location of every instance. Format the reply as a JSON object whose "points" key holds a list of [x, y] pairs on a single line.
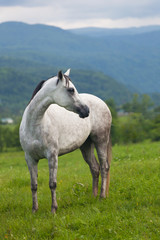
{"points": [[66, 95], [60, 90]]}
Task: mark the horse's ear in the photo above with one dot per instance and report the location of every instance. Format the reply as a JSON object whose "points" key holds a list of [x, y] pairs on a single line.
{"points": [[60, 75], [67, 72]]}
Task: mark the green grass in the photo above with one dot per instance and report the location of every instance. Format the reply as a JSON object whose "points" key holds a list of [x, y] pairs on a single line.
{"points": [[131, 212]]}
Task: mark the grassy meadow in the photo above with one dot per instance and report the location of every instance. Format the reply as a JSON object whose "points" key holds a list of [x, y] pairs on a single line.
{"points": [[132, 211]]}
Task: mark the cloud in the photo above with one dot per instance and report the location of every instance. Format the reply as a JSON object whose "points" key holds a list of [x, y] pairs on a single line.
{"points": [[90, 8], [26, 3], [32, 15], [111, 8], [71, 13], [107, 23]]}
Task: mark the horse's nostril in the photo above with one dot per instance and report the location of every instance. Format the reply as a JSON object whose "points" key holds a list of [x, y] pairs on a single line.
{"points": [[83, 111]]}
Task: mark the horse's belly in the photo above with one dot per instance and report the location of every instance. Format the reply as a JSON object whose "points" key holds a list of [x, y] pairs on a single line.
{"points": [[73, 138]]}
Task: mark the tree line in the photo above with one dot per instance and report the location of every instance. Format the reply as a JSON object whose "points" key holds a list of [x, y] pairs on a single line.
{"points": [[140, 121], [9, 137]]}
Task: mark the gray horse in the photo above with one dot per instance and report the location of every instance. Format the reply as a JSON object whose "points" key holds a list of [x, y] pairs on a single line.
{"points": [[57, 121]]}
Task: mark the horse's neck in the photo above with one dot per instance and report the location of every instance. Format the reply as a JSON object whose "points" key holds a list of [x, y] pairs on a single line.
{"points": [[36, 110]]}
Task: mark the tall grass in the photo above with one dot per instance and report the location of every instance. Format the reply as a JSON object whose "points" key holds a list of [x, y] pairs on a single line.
{"points": [[131, 212]]}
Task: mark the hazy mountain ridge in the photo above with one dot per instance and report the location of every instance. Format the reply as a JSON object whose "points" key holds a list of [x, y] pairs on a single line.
{"points": [[133, 59], [102, 32]]}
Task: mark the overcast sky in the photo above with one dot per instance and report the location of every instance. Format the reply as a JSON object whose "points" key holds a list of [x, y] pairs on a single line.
{"points": [[82, 13]]}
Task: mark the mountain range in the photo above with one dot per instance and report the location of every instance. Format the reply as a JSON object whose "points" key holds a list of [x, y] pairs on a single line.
{"points": [[103, 32], [109, 63]]}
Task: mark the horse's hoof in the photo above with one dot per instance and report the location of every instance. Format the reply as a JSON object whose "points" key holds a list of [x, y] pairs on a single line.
{"points": [[102, 195], [95, 192], [53, 210], [34, 210]]}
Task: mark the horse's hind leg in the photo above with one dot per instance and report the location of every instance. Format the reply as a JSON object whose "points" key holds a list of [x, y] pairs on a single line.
{"points": [[103, 157], [87, 150]]}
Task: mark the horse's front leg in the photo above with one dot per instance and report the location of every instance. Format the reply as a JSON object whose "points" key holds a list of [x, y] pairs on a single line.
{"points": [[53, 165], [32, 166]]}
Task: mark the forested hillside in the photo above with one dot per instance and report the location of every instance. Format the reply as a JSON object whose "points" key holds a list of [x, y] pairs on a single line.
{"points": [[132, 59], [18, 83], [113, 64]]}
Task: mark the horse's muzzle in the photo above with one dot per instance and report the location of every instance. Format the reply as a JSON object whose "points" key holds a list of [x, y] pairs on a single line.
{"points": [[83, 111]]}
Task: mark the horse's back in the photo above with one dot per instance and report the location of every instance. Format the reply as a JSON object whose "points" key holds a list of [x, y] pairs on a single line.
{"points": [[95, 102], [100, 115]]}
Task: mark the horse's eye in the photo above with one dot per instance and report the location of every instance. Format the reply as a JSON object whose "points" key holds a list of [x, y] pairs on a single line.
{"points": [[70, 90]]}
